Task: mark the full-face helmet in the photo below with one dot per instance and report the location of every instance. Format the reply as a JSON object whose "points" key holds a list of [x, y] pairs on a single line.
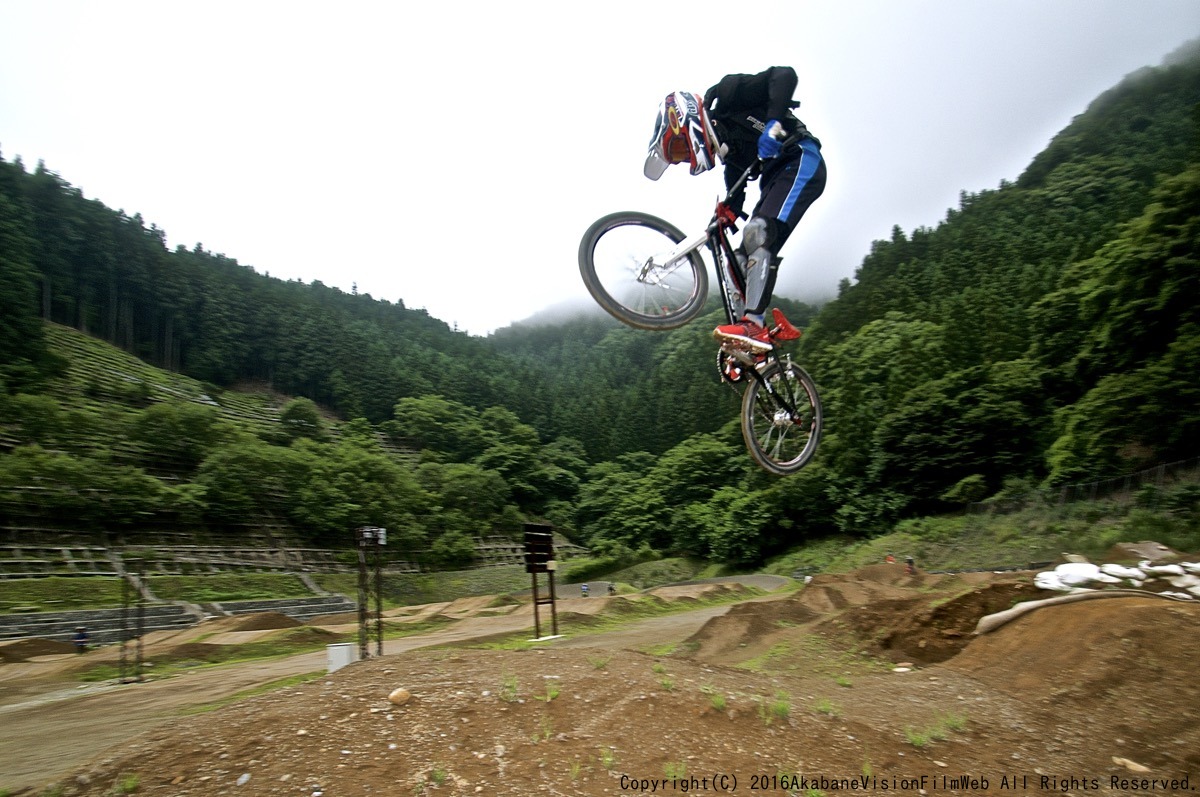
{"points": [[682, 134]]}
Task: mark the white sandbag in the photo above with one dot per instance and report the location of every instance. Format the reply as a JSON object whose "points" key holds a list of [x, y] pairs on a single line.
{"points": [[1120, 571], [1049, 580], [1163, 570], [1077, 574]]}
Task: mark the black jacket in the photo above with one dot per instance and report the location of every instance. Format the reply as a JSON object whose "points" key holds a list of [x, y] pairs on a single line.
{"points": [[739, 107]]}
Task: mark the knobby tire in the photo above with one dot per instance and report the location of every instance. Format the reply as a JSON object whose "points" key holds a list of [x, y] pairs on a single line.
{"points": [[612, 261], [780, 440]]}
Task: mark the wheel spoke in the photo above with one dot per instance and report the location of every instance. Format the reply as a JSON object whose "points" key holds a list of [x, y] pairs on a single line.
{"points": [[781, 430], [620, 259]]}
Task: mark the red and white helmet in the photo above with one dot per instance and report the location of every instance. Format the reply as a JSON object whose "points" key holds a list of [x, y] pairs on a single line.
{"points": [[681, 134]]}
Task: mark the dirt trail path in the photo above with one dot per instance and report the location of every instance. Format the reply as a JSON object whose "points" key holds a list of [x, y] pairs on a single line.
{"points": [[799, 683], [48, 729]]}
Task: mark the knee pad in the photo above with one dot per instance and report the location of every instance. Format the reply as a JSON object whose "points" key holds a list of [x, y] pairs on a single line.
{"points": [[756, 234]]}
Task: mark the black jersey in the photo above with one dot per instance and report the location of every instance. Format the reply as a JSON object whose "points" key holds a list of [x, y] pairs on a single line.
{"points": [[740, 106]]}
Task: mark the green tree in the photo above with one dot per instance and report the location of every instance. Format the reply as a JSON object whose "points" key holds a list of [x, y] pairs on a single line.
{"points": [[345, 487], [22, 347], [179, 434], [248, 480], [987, 421], [300, 418], [478, 493]]}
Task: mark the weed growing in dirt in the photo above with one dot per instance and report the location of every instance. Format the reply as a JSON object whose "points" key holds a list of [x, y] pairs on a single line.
{"points": [[509, 688], [777, 710], [552, 691], [608, 757], [715, 698], [599, 662], [827, 707], [437, 775], [127, 784], [667, 684], [952, 721], [658, 667], [675, 770], [781, 707], [943, 725], [574, 770], [842, 680]]}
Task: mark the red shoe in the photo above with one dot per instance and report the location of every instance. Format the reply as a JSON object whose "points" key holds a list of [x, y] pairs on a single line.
{"points": [[746, 334], [783, 329]]}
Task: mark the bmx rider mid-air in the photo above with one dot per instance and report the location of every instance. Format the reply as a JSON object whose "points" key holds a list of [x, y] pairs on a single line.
{"points": [[742, 120]]}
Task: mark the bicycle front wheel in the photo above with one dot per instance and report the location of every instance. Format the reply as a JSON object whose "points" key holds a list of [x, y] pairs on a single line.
{"points": [[781, 418], [620, 259]]}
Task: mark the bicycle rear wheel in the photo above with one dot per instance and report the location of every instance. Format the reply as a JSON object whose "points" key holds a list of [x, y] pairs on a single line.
{"points": [[619, 260], [781, 426]]}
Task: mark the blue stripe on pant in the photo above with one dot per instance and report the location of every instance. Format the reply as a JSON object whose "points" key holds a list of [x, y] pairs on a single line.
{"points": [[810, 161]]}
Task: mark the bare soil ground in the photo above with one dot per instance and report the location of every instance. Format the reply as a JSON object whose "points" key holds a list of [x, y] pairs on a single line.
{"points": [[870, 683]]}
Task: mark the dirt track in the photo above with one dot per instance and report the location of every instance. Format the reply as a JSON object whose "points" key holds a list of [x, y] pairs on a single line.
{"points": [[798, 686]]}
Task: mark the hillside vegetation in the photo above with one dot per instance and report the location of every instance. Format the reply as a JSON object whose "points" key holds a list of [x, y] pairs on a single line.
{"points": [[1044, 333]]}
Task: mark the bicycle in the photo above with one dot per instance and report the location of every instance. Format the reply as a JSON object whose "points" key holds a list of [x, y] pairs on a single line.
{"points": [[644, 272]]}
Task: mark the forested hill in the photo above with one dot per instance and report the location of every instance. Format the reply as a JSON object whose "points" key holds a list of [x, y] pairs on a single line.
{"points": [[71, 260], [1045, 331]]}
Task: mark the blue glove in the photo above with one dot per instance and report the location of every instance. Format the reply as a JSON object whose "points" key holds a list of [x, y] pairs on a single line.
{"points": [[768, 145]]}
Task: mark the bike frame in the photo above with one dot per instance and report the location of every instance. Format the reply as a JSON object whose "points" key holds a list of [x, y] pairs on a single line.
{"points": [[717, 239], [731, 277]]}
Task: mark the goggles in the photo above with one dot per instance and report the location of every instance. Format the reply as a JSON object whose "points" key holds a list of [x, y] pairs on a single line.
{"points": [[675, 147]]}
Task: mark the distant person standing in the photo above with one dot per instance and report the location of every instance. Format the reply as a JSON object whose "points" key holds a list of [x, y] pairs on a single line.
{"points": [[891, 560], [584, 590], [910, 566], [80, 639]]}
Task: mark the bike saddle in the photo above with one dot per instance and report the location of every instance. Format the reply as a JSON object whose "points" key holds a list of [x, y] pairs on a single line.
{"points": [[783, 329]]}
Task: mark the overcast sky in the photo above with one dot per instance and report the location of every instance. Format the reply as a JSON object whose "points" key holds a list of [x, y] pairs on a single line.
{"points": [[451, 157]]}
